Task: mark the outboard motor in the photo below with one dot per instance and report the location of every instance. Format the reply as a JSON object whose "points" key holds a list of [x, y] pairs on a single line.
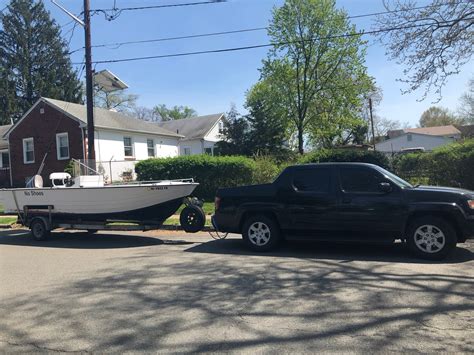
{"points": [[35, 182]]}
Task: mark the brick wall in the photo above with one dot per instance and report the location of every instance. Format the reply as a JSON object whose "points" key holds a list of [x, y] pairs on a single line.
{"points": [[43, 127]]}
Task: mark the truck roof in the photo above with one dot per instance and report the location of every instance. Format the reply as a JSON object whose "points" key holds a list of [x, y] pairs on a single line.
{"points": [[332, 164]]}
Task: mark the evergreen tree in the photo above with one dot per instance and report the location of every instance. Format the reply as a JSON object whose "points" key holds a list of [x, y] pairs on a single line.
{"points": [[235, 135], [34, 60]]}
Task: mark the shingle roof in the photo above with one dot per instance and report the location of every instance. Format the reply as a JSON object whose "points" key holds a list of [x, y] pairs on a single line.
{"points": [[432, 131], [3, 141], [192, 128], [104, 118]]}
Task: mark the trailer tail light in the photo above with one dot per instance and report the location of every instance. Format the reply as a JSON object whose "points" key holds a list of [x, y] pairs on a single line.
{"points": [[217, 203]]}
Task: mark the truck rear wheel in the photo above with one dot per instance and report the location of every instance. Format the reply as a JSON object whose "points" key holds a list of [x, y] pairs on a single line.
{"points": [[39, 231], [431, 238], [261, 233]]}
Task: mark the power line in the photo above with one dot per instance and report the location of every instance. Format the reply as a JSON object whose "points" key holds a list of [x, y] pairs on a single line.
{"points": [[112, 14], [234, 49], [163, 39]]}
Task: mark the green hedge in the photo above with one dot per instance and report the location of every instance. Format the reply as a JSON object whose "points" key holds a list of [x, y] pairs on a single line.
{"points": [[450, 165], [345, 155], [211, 172]]}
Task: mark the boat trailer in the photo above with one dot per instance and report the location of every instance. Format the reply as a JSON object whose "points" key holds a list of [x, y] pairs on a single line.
{"points": [[41, 221]]}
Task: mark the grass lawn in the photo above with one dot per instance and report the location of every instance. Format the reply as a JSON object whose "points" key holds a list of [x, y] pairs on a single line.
{"points": [[208, 208], [8, 220], [173, 221]]}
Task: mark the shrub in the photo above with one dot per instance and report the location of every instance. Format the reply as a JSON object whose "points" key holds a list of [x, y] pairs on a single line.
{"points": [[265, 170], [211, 172], [345, 155], [450, 165]]}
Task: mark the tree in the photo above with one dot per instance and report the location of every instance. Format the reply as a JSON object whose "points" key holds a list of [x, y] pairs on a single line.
{"points": [[119, 101], [235, 135], [466, 110], [316, 69], [145, 113], [434, 41], [174, 113], [34, 60], [438, 116], [267, 129]]}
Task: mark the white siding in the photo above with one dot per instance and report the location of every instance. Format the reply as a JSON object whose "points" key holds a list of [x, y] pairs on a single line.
{"points": [[195, 145], [417, 140], [109, 147], [214, 135]]}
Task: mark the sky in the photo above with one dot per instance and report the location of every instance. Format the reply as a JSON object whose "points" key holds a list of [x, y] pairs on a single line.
{"points": [[209, 83]]}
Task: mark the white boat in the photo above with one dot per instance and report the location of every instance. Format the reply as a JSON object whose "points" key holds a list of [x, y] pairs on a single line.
{"points": [[86, 198]]}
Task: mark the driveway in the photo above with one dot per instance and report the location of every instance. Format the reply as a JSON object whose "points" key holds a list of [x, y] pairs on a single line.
{"points": [[176, 292]]}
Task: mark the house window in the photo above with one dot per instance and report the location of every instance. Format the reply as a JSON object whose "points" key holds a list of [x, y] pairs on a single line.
{"points": [[28, 151], [409, 137], [208, 151], [127, 147], [221, 127], [151, 147], [5, 160], [62, 146], [187, 151]]}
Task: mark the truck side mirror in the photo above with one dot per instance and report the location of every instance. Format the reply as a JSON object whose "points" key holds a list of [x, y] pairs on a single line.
{"points": [[385, 187]]}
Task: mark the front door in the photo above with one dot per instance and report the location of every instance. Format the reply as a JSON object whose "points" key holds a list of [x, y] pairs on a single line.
{"points": [[364, 210]]}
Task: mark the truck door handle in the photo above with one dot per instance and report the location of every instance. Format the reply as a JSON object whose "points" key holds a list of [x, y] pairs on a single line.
{"points": [[346, 199]]}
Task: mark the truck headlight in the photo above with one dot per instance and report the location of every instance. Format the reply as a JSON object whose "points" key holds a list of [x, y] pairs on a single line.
{"points": [[470, 203]]}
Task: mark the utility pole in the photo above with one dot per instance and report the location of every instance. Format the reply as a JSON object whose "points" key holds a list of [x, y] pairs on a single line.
{"points": [[89, 89], [372, 123]]}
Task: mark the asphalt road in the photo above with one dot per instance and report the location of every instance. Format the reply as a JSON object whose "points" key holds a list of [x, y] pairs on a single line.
{"points": [[176, 292]]}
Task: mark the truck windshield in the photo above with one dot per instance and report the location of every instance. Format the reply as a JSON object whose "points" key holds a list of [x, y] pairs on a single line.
{"points": [[397, 180]]}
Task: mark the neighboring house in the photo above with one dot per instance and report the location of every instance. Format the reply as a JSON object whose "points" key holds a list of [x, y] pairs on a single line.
{"points": [[427, 138], [4, 158], [200, 133], [55, 131]]}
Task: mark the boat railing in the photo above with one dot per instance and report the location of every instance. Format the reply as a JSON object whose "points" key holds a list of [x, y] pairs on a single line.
{"points": [[188, 180], [80, 168]]}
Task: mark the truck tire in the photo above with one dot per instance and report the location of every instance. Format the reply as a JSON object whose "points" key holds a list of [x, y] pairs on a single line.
{"points": [[192, 219], [38, 228], [261, 233], [431, 238]]}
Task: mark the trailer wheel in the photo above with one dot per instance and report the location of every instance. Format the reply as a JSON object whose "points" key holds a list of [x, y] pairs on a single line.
{"points": [[39, 231], [192, 219]]}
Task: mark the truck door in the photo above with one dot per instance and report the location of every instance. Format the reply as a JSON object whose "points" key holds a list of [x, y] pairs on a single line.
{"points": [[364, 209], [311, 200]]}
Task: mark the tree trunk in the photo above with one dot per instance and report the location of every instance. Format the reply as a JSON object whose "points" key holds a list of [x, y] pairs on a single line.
{"points": [[300, 141]]}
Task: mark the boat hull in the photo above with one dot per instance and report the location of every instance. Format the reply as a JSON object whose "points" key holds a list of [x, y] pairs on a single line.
{"points": [[153, 202]]}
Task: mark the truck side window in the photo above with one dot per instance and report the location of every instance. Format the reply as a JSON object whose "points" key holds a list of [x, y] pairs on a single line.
{"points": [[360, 180], [314, 180]]}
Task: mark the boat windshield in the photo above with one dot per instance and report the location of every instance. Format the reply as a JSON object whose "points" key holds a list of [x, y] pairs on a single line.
{"points": [[396, 179]]}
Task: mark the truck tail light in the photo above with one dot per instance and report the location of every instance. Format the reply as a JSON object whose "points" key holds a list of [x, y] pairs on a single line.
{"points": [[470, 204], [217, 203]]}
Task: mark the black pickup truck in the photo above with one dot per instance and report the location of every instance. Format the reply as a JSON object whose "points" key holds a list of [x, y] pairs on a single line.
{"points": [[347, 202]]}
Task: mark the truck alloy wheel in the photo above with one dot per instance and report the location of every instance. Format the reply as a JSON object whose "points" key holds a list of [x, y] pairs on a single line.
{"points": [[261, 233], [431, 238]]}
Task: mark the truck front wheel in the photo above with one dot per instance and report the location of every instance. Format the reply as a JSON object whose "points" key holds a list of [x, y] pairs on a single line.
{"points": [[261, 233], [431, 238]]}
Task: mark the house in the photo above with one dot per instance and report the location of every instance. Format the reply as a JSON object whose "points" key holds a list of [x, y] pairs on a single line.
{"points": [[200, 133], [425, 138], [53, 132]]}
